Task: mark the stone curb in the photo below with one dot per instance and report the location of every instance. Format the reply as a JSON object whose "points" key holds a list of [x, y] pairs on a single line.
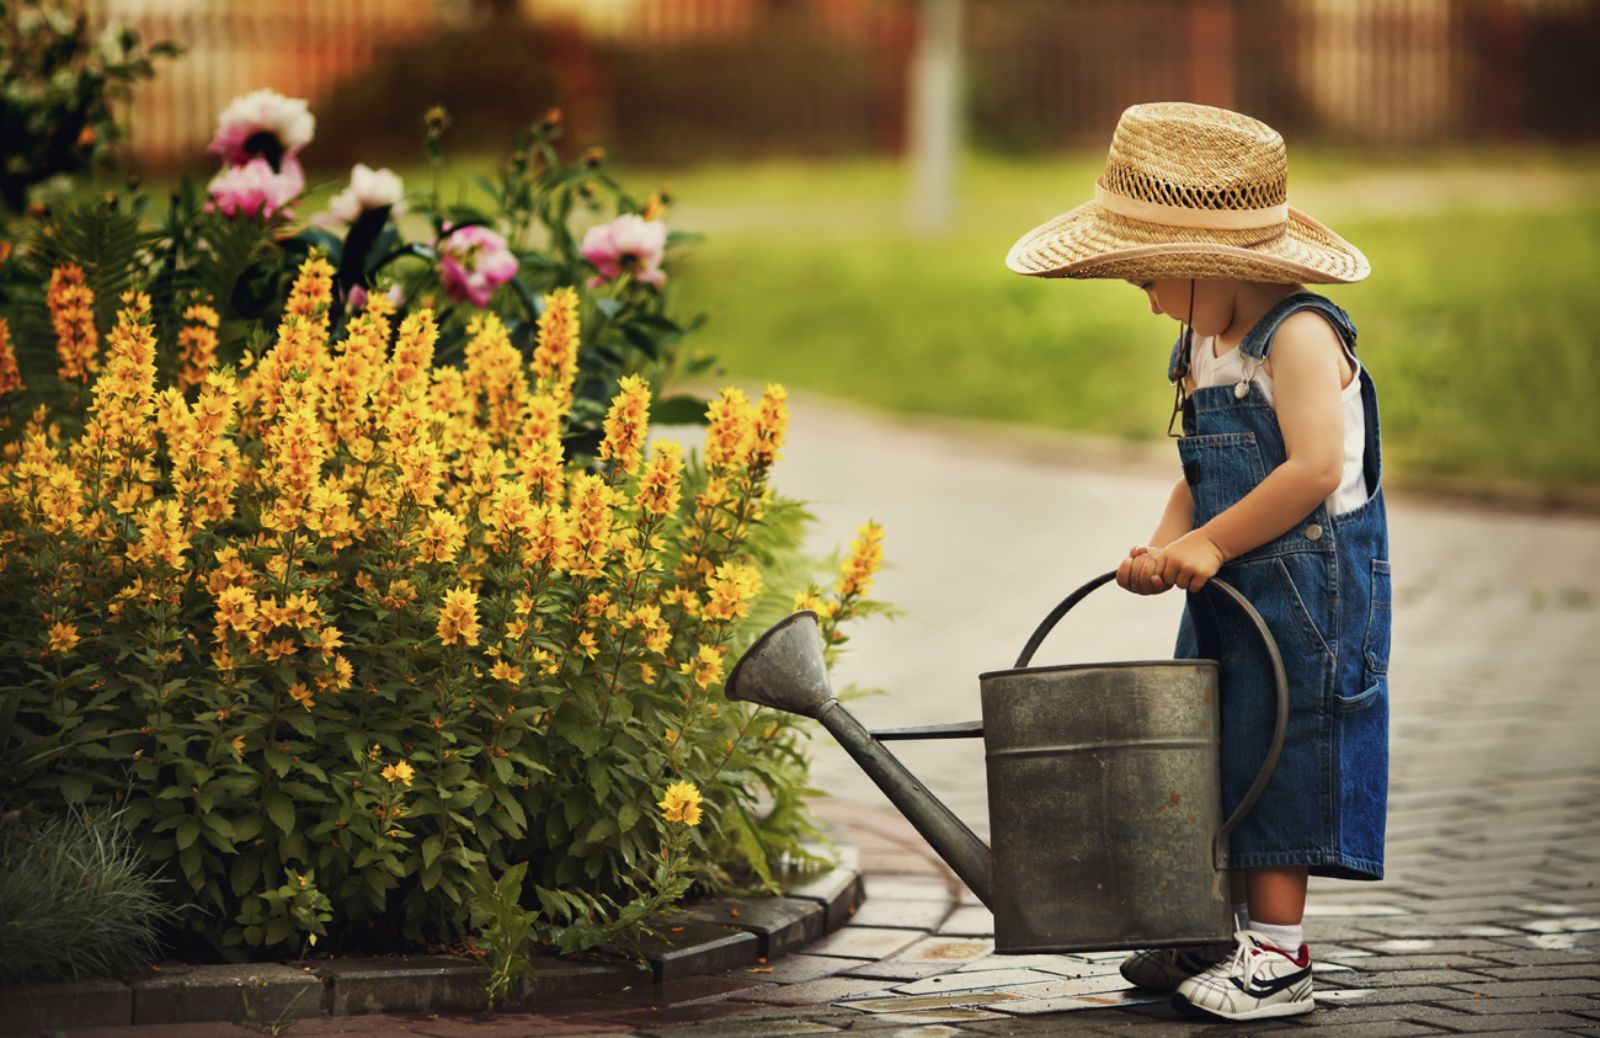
{"points": [[713, 935]]}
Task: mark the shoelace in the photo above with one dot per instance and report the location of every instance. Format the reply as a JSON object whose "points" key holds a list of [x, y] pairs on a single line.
{"points": [[1246, 957]]}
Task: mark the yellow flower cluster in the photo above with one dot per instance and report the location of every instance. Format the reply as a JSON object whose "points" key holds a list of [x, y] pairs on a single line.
{"points": [[71, 303], [681, 803], [627, 424], [772, 423], [495, 377], [661, 486], [399, 772], [458, 617], [119, 442], [729, 591], [866, 556], [10, 376], [731, 432], [555, 355], [197, 345], [449, 487]]}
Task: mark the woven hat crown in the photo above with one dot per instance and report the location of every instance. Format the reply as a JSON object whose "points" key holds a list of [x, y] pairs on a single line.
{"points": [[1196, 157]]}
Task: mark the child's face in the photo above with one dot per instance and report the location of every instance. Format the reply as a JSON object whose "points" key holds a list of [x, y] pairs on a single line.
{"points": [[1213, 301]]}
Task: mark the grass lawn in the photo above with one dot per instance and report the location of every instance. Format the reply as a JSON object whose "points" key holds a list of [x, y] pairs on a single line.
{"points": [[1481, 326], [1480, 323]]}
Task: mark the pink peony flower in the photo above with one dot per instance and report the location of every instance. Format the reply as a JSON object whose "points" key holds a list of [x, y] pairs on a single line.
{"points": [[369, 189], [254, 189], [359, 295], [627, 244], [473, 262], [263, 124]]}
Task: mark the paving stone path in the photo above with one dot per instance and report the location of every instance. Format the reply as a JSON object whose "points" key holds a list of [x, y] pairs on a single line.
{"points": [[1488, 921]]}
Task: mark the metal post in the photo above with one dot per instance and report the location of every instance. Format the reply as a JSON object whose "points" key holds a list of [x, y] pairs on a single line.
{"points": [[935, 114]]}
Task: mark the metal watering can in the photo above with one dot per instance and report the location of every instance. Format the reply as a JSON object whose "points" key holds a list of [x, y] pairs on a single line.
{"points": [[1104, 789]]}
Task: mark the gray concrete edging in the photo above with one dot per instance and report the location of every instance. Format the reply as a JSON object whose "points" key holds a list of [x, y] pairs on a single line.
{"points": [[708, 937]]}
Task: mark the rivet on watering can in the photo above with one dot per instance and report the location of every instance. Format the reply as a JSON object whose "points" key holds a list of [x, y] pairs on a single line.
{"points": [[1313, 532]]}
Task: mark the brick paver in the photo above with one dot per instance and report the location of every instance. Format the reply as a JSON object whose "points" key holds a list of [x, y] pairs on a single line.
{"points": [[1489, 919]]}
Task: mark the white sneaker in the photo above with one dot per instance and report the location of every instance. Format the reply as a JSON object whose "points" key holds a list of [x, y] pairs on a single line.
{"points": [[1163, 969], [1258, 981]]}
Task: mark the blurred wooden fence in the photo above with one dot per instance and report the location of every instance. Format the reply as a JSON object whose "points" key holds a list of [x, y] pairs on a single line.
{"points": [[303, 48], [673, 79]]}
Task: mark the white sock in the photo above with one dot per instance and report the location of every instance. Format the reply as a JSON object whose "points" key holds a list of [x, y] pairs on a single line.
{"points": [[1287, 937], [1241, 916]]}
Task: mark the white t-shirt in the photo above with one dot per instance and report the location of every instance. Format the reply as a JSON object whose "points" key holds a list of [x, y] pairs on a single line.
{"points": [[1233, 367]]}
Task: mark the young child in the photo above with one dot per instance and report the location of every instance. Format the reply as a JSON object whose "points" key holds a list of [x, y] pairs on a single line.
{"points": [[1280, 497]]}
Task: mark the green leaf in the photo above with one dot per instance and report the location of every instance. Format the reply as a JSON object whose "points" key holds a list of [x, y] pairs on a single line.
{"points": [[627, 817], [188, 832], [748, 841], [242, 876], [76, 788], [679, 410], [431, 848], [278, 930], [276, 759], [280, 809]]}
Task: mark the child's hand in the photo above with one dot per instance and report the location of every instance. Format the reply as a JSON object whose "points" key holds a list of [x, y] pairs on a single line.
{"points": [[1190, 561], [1140, 572]]}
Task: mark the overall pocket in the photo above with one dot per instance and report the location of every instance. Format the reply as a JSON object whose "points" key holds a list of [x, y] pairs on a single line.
{"points": [[1220, 469], [1379, 607], [1374, 642]]}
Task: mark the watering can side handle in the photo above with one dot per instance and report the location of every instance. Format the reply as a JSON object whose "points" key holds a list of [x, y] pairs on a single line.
{"points": [[1048, 624], [1280, 728], [1279, 677]]}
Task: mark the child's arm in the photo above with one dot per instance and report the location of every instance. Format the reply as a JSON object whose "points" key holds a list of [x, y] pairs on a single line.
{"points": [[1139, 572], [1306, 383]]}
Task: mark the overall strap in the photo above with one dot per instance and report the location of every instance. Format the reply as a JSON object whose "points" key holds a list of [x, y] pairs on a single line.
{"points": [[1258, 340], [1178, 363]]}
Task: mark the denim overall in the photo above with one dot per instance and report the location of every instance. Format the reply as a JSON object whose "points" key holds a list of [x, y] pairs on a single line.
{"points": [[1323, 588]]}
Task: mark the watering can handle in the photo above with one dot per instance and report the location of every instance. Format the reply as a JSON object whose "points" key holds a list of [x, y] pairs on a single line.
{"points": [[1279, 730]]}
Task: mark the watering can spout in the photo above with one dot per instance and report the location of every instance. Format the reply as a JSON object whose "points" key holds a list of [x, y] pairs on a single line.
{"points": [[785, 670]]}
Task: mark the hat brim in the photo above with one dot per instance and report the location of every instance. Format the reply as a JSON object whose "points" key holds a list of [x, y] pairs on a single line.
{"points": [[1090, 242]]}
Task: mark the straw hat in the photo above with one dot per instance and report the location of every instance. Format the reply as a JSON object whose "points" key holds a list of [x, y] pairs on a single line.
{"points": [[1190, 191]]}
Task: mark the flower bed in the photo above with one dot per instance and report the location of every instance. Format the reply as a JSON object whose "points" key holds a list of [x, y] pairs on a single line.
{"points": [[373, 650]]}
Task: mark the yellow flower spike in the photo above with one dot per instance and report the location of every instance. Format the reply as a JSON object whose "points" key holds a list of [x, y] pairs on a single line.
{"points": [[197, 345], [681, 803], [660, 488], [706, 666], [301, 694], [730, 436], [71, 303], [494, 376], [866, 556], [238, 745], [63, 638], [441, 537], [627, 424], [400, 772], [10, 375], [458, 617], [729, 591], [555, 356], [772, 423]]}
